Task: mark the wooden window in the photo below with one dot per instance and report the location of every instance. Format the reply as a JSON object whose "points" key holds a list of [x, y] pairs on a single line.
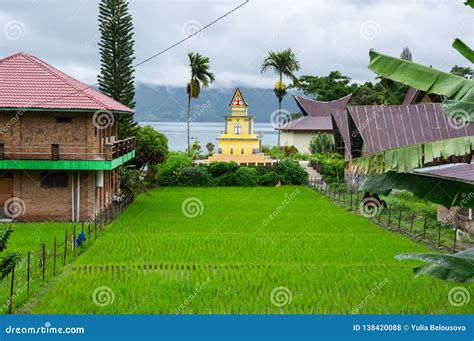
{"points": [[54, 179], [242, 151], [63, 119], [232, 150]]}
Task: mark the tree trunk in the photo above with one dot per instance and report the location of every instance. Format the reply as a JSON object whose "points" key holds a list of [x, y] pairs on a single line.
{"points": [[279, 127], [189, 114], [279, 120]]}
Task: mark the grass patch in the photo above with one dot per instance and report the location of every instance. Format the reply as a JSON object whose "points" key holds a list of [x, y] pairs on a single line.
{"points": [[229, 258]]}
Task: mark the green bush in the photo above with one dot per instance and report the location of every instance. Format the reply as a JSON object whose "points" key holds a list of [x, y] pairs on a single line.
{"points": [[130, 183], [169, 173], [322, 143], [268, 179], [291, 173], [330, 166], [196, 176], [228, 179], [220, 168], [247, 176]]}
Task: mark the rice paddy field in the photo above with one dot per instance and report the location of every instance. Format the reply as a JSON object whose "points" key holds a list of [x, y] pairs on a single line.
{"points": [[243, 250]]}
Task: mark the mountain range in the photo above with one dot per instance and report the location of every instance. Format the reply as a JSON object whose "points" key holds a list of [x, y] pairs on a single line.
{"points": [[156, 103]]}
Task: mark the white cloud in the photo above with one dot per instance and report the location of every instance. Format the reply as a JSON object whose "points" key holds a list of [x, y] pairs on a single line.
{"points": [[325, 35]]}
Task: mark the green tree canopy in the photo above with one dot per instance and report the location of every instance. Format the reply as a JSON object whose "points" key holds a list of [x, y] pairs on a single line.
{"points": [[151, 147], [116, 77]]}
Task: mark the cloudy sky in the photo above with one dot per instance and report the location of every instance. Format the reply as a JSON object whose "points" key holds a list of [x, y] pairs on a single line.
{"points": [[325, 35]]}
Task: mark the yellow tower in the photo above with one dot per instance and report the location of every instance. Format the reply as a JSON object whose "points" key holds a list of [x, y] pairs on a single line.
{"points": [[238, 142]]}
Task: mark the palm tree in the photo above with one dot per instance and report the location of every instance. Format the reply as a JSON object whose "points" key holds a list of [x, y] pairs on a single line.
{"points": [[283, 63], [200, 77]]}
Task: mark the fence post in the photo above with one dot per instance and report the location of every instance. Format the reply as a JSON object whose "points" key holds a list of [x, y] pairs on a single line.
{"points": [[89, 231], [28, 272], [389, 216], [400, 219], [412, 220], [455, 232], [65, 249], [54, 257], [439, 235], [11, 290], [351, 200], [43, 256], [424, 226], [74, 242]]}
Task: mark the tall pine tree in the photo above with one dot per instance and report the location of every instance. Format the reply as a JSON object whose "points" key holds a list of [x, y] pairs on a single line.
{"points": [[116, 77]]}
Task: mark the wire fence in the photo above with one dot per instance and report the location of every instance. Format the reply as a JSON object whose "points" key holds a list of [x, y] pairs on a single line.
{"points": [[420, 226], [36, 267]]}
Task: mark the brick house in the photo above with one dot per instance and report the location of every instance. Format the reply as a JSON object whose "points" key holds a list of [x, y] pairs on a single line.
{"points": [[59, 150]]}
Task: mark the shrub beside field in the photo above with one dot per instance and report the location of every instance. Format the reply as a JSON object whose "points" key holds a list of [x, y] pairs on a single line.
{"points": [[247, 250], [178, 170]]}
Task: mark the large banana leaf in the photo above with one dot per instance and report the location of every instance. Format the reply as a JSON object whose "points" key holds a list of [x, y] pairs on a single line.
{"points": [[427, 79], [408, 158], [458, 267], [463, 49], [444, 191]]}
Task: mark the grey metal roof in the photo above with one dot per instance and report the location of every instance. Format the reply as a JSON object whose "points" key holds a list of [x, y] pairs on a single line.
{"points": [[456, 171], [317, 114], [394, 126]]}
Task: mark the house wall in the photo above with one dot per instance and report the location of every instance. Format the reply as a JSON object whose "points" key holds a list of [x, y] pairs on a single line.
{"points": [[35, 131], [53, 203], [456, 215], [300, 140], [237, 145]]}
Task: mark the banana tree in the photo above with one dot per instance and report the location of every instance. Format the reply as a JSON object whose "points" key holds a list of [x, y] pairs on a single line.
{"points": [[458, 267]]}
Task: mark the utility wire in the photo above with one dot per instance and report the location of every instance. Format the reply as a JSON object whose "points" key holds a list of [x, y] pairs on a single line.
{"points": [[153, 56]]}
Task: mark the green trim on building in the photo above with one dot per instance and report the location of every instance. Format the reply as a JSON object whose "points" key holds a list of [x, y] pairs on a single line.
{"points": [[67, 164]]}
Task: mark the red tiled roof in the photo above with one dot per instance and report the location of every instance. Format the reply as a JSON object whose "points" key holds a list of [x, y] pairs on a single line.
{"points": [[317, 114], [28, 82]]}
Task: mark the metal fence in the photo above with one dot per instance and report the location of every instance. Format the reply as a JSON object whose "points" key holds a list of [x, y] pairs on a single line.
{"points": [[420, 226], [37, 266]]}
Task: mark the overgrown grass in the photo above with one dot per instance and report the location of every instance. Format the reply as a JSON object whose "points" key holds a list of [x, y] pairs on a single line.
{"points": [[245, 243]]}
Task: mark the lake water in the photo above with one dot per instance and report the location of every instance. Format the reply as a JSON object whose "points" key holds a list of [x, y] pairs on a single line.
{"points": [[205, 132]]}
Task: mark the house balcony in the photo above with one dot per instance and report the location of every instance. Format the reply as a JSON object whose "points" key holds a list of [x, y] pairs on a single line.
{"points": [[67, 156]]}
